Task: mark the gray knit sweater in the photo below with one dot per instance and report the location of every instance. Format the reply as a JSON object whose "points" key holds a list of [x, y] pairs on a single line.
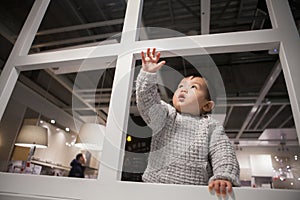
{"points": [[185, 149]]}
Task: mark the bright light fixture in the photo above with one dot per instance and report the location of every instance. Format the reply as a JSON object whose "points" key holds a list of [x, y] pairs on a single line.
{"points": [[91, 136], [32, 136]]}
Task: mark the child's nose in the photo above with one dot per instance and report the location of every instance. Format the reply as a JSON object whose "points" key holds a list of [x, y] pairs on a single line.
{"points": [[184, 90]]}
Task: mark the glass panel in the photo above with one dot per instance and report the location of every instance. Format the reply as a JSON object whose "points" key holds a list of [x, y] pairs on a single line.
{"points": [[139, 134], [243, 74], [79, 23], [12, 17], [185, 16], [62, 104]]}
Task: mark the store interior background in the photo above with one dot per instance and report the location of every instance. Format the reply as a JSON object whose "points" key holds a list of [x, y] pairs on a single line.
{"points": [[42, 95]]}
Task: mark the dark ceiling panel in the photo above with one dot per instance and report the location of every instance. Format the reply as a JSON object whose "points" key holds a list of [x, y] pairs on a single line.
{"points": [[237, 117]]}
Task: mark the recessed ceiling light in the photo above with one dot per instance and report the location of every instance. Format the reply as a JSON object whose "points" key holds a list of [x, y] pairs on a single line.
{"points": [[67, 129], [52, 121]]}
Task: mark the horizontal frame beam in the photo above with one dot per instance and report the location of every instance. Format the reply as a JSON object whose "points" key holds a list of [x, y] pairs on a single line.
{"points": [[169, 47], [92, 189]]}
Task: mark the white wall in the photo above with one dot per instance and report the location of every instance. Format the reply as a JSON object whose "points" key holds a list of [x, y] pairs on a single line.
{"points": [[57, 152], [243, 157], [9, 127]]}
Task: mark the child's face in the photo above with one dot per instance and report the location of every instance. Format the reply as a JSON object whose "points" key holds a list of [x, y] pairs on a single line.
{"points": [[191, 96]]}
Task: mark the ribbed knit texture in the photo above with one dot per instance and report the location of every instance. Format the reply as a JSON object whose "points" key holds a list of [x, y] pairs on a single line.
{"points": [[185, 149]]}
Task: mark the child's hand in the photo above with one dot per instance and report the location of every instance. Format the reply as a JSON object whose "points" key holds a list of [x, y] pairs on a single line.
{"points": [[149, 61], [220, 187]]}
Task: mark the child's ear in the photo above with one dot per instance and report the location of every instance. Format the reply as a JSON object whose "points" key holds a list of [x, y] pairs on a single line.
{"points": [[208, 106]]}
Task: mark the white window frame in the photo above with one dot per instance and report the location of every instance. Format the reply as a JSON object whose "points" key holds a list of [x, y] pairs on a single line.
{"points": [[108, 185]]}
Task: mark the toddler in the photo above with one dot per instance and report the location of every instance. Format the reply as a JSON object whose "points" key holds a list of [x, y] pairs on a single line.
{"points": [[188, 146]]}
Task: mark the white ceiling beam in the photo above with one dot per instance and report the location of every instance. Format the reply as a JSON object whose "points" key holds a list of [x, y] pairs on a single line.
{"points": [[80, 27], [273, 117], [240, 11], [285, 121], [228, 115], [75, 40], [171, 11], [262, 117], [77, 14], [205, 16], [254, 117], [69, 86], [262, 94], [6, 33]]}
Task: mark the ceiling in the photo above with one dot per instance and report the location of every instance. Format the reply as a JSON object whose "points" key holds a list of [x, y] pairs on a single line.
{"points": [[74, 23]]}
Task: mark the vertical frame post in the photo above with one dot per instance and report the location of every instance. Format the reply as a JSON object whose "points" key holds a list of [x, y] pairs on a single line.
{"points": [[116, 127], [10, 74], [282, 19]]}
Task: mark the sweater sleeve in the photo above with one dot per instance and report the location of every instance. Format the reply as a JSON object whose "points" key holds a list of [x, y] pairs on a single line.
{"points": [[222, 155], [152, 109]]}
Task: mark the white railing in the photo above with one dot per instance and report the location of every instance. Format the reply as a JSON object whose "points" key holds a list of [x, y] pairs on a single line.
{"points": [[42, 187]]}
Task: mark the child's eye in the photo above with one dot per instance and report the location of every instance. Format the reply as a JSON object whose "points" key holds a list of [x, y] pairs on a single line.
{"points": [[194, 86], [180, 86]]}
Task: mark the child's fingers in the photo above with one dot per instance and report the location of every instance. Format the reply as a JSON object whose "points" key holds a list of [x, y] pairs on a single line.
{"points": [[153, 52], [217, 187], [211, 186], [143, 57], [229, 186], [148, 53], [157, 57], [223, 188], [160, 64]]}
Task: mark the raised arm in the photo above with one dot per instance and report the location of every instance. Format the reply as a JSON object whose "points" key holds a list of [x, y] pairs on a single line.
{"points": [[149, 104]]}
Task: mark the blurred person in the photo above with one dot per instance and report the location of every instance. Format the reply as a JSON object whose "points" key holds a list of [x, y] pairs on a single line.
{"points": [[77, 166]]}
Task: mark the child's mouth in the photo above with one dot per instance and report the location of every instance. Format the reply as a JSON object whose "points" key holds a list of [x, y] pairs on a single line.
{"points": [[181, 97]]}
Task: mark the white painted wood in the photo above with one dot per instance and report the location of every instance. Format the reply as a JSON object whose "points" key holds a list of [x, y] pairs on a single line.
{"points": [[14, 186], [9, 74], [72, 188], [189, 45], [70, 57], [116, 127], [281, 18]]}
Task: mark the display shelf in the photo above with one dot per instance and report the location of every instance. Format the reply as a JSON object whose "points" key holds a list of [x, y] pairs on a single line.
{"points": [[49, 165]]}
